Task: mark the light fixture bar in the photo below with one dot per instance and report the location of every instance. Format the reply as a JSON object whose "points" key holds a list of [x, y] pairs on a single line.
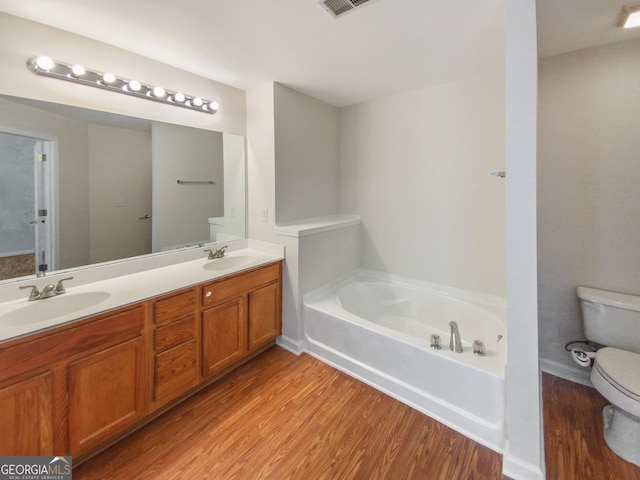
{"points": [[41, 65], [629, 17]]}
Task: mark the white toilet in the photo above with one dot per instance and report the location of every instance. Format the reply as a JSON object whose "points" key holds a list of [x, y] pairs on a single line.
{"points": [[613, 319]]}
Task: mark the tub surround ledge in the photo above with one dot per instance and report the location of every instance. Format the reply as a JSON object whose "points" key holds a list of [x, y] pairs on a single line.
{"points": [[313, 225]]}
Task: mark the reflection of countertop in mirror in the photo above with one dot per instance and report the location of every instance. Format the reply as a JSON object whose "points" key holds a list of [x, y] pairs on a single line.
{"points": [[132, 284]]}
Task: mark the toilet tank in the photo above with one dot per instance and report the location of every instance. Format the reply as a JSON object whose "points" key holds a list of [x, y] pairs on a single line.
{"points": [[611, 318]]}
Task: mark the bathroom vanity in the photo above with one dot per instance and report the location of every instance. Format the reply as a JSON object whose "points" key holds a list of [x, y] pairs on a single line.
{"points": [[77, 387]]}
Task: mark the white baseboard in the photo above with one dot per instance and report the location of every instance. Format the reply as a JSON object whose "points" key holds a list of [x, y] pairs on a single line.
{"points": [[296, 347], [577, 374], [518, 469]]}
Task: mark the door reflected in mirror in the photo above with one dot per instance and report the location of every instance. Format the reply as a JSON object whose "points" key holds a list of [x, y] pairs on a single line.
{"points": [[81, 187]]}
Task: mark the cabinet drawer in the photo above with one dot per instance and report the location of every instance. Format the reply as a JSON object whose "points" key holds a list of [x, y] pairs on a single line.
{"points": [[175, 371], [180, 306], [224, 289], [108, 329], [174, 333]]}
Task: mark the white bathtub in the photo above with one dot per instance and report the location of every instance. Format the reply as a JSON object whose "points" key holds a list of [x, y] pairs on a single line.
{"points": [[377, 328]]}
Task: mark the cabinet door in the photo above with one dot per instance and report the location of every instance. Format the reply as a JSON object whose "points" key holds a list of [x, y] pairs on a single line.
{"points": [[264, 315], [176, 371], [106, 393], [223, 335], [26, 421]]}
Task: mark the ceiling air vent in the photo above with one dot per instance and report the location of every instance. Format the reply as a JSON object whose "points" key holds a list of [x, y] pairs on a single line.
{"points": [[339, 7]]}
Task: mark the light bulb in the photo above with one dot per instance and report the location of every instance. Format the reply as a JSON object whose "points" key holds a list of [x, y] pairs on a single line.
{"points": [[178, 97], [213, 106], [158, 92], [196, 102], [78, 70], [633, 20], [108, 78], [44, 63], [134, 85]]}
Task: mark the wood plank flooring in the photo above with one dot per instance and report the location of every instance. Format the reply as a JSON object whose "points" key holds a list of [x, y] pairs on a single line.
{"points": [[574, 444], [286, 417]]}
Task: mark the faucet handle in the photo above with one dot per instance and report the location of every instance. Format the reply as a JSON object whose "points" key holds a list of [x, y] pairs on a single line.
{"points": [[478, 348], [60, 287], [210, 257], [35, 293]]}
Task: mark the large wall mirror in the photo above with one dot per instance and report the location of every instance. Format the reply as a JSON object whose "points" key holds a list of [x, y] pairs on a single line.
{"points": [[80, 187]]}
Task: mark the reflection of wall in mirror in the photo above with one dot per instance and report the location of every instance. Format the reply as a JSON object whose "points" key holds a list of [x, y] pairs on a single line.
{"points": [[234, 198], [95, 166], [72, 202], [17, 239], [181, 212], [119, 192]]}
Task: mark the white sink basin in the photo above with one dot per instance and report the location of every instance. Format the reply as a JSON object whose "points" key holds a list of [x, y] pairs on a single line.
{"points": [[41, 310], [226, 263]]}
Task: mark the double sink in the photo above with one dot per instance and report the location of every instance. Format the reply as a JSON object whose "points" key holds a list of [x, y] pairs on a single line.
{"points": [[19, 313]]}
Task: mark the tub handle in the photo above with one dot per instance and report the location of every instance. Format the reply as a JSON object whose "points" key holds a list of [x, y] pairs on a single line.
{"points": [[478, 348], [435, 341]]}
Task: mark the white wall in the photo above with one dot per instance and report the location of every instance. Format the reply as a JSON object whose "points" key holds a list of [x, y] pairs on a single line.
{"points": [[261, 162], [119, 169], [306, 148], [181, 212], [524, 450], [293, 173], [21, 39], [588, 190], [261, 167], [416, 168]]}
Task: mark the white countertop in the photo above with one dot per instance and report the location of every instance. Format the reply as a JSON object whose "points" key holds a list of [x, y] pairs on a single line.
{"points": [[123, 289]]}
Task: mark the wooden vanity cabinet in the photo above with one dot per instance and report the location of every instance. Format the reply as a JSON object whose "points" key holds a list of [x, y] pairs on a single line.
{"points": [[75, 388], [265, 315], [240, 314], [67, 391], [175, 345], [26, 422]]}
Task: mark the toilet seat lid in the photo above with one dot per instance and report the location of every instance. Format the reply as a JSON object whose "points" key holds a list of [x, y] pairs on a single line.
{"points": [[620, 368]]}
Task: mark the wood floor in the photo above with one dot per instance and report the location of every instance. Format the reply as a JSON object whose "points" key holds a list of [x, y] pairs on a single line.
{"points": [[286, 417], [574, 443]]}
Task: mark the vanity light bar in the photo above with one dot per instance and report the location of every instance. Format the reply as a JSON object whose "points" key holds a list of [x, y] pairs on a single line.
{"points": [[42, 65]]}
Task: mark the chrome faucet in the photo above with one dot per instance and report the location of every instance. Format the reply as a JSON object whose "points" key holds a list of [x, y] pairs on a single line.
{"points": [[455, 343], [48, 291], [219, 253]]}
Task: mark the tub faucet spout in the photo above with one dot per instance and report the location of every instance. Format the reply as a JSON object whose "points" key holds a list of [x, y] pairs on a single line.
{"points": [[455, 343]]}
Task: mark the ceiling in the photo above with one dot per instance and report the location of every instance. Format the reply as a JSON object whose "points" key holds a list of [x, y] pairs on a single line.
{"points": [[568, 25], [382, 48]]}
